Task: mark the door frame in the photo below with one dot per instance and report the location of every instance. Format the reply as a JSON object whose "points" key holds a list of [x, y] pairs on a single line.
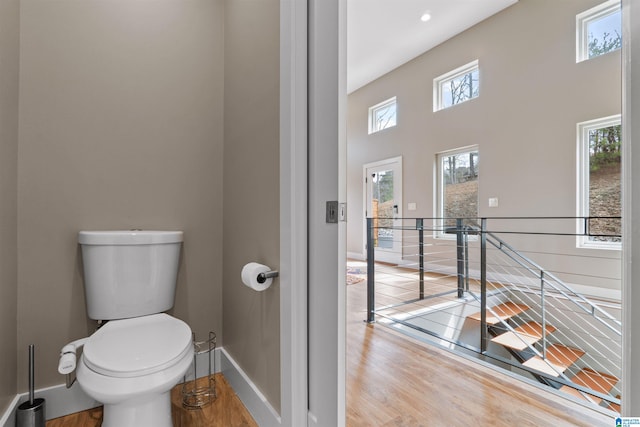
{"points": [[389, 256], [294, 26], [293, 213], [312, 148]]}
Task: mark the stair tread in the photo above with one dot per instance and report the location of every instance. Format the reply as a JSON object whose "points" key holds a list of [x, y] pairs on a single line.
{"points": [[503, 311], [616, 407], [528, 333], [594, 380], [560, 357]]}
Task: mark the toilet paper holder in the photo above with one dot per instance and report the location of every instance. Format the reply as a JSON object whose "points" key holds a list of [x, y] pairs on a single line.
{"points": [[262, 277]]}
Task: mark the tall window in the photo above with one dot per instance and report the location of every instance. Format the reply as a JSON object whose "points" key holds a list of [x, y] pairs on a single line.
{"points": [[382, 115], [457, 185], [599, 164], [599, 30], [457, 86]]}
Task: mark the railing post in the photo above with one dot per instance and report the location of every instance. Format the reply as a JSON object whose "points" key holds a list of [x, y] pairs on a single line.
{"points": [[484, 332], [466, 260], [586, 226], [460, 257], [420, 227], [370, 272], [544, 318]]}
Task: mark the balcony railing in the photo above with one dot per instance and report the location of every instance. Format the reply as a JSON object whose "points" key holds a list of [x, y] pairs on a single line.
{"points": [[461, 284]]}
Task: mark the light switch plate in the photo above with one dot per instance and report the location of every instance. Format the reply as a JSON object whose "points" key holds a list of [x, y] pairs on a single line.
{"points": [[411, 206], [493, 202]]}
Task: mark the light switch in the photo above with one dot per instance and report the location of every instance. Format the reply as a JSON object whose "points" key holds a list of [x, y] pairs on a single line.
{"points": [[493, 202], [411, 206]]}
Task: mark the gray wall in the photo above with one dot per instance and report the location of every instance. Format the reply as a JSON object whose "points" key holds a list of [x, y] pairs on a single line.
{"points": [[120, 127], [532, 94], [9, 59], [631, 322], [251, 188]]}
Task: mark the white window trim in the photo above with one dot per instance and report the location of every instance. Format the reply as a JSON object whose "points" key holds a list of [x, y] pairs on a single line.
{"points": [[438, 103], [372, 112], [583, 130], [582, 21], [439, 233]]}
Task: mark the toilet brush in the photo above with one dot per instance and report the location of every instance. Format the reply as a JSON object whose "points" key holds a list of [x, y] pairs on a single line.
{"points": [[31, 413]]}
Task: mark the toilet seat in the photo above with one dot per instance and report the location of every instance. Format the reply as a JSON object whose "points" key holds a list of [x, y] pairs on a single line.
{"points": [[138, 346]]}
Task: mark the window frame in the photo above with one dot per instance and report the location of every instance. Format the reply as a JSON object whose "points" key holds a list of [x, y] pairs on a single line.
{"points": [[583, 20], [441, 80], [583, 169], [372, 112], [438, 232]]}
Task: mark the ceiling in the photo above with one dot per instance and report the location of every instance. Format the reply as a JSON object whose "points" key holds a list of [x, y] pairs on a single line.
{"points": [[384, 34]]}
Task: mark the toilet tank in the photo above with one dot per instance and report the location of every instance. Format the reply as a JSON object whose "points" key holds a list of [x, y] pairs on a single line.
{"points": [[129, 273]]}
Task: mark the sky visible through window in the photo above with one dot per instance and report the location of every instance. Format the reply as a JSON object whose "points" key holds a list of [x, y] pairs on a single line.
{"points": [[605, 29], [460, 89]]}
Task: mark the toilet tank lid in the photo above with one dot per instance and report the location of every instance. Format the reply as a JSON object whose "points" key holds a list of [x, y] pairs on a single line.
{"points": [[129, 237]]}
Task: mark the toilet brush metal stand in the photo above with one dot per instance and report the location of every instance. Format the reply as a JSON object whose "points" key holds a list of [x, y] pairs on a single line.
{"points": [[31, 413]]}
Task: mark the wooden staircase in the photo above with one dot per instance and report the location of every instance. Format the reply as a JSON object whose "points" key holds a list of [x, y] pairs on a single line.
{"points": [[593, 380], [558, 357], [523, 336]]}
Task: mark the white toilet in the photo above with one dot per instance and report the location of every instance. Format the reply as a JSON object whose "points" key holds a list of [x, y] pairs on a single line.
{"points": [[131, 363]]}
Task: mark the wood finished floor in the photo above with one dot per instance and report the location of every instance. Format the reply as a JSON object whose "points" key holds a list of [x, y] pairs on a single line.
{"points": [[394, 381], [226, 411]]}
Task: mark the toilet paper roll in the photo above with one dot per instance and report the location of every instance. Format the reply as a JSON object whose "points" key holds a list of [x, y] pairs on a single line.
{"points": [[250, 274]]}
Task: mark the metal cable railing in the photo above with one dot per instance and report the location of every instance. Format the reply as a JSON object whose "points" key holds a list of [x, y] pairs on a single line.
{"points": [[440, 281]]}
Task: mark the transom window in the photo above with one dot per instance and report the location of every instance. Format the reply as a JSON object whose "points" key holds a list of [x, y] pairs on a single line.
{"points": [[457, 186], [382, 115], [599, 164], [457, 86], [599, 30]]}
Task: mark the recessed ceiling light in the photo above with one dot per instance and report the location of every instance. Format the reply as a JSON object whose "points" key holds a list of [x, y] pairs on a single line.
{"points": [[425, 17]]}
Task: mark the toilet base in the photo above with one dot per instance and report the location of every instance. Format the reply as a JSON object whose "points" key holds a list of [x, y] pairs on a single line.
{"points": [[153, 411]]}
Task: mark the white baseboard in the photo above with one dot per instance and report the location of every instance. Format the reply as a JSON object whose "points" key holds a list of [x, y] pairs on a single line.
{"points": [[8, 419], [252, 398], [61, 401]]}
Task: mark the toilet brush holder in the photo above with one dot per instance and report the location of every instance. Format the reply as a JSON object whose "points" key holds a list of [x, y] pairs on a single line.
{"points": [[31, 413], [199, 392]]}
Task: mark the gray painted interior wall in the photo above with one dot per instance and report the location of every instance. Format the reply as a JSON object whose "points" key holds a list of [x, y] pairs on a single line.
{"points": [[251, 320], [532, 95], [9, 54], [121, 126], [631, 325]]}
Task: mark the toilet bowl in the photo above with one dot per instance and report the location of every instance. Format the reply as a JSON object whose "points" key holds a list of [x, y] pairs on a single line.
{"points": [[130, 365]]}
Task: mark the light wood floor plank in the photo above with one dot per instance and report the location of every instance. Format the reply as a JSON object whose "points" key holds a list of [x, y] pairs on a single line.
{"points": [[393, 380], [225, 411]]}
